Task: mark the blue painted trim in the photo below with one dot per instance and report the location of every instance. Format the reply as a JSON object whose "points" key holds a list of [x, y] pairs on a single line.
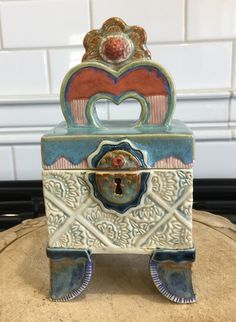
{"points": [[77, 150]]}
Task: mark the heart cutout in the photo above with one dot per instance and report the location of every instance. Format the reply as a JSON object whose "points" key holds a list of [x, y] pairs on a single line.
{"points": [[94, 120]]}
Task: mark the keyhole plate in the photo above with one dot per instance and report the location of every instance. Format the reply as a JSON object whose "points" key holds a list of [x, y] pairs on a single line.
{"points": [[118, 189], [119, 183]]}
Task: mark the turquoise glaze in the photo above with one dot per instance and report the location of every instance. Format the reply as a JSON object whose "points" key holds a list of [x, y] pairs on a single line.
{"points": [[159, 142]]}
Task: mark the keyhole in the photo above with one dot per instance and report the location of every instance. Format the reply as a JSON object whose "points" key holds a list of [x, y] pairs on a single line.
{"points": [[118, 189]]}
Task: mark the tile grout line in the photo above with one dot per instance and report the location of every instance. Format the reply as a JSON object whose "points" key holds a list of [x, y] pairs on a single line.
{"points": [[151, 43], [14, 162], [1, 34], [185, 19], [14, 49], [53, 98], [37, 129], [90, 14], [232, 82], [49, 71]]}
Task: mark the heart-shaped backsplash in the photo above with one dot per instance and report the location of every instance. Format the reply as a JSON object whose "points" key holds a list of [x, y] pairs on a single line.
{"points": [[146, 81]]}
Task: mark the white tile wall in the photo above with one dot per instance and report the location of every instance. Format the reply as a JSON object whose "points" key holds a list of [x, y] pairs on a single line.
{"points": [[27, 162], [162, 19], [202, 110], [6, 163], [40, 40], [233, 109], [30, 115], [0, 31], [196, 66], [61, 61], [44, 23], [234, 134], [25, 136], [234, 66], [211, 19], [23, 73], [214, 133], [211, 157], [127, 110]]}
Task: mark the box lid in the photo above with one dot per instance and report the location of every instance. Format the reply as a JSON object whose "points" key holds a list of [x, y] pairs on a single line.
{"points": [[65, 147]]}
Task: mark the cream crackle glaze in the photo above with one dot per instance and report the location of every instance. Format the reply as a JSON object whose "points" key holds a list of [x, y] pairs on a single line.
{"points": [[76, 219], [119, 187]]}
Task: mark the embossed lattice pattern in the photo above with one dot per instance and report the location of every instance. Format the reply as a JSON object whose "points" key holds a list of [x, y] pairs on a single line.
{"points": [[76, 219]]}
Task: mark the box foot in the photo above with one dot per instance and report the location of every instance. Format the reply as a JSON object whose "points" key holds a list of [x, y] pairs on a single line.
{"points": [[71, 272], [171, 273]]}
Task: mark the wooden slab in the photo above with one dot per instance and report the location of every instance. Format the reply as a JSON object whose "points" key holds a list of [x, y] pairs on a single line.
{"points": [[121, 288]]}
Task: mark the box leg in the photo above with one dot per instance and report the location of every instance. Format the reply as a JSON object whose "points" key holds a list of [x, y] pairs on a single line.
{"points": [[71, 272], [171, 273]]}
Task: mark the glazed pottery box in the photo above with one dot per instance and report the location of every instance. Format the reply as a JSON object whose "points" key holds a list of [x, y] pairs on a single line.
{"points": [[119, 188]]}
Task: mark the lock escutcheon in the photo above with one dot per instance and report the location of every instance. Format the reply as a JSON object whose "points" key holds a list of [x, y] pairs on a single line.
{"points": [[118, 187], [118, 182]]}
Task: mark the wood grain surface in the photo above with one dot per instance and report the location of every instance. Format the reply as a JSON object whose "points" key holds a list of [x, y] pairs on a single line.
{"points": [[121, 288]]}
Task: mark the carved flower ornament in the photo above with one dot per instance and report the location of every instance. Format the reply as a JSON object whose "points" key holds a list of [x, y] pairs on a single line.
{"points": [[116, 43]]}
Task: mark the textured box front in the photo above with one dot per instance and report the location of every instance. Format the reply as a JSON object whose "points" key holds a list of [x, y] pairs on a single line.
{"points": [[76, 218]]}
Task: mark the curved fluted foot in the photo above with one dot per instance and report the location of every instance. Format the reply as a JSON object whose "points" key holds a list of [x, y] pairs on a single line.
{"points": [[71, 272], [171, 274]]}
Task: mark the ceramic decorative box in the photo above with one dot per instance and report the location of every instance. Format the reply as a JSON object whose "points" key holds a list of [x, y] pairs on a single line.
{"points": [[118, 187]]}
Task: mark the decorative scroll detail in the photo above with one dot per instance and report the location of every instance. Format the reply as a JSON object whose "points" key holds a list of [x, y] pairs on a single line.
{"points": [[111, 225], [158, 108], [78, 111], [74, 235], [169, 235], [63, 186], [163, 220], [166, 186], [55, 219], [116, 44]]}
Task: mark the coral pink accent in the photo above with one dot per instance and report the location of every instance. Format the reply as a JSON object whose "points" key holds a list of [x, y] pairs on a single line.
{"points": [[116, 48], [63, 163], [118, 161], [78, 111], [172, 163], [90, 81], [158, 108]]}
